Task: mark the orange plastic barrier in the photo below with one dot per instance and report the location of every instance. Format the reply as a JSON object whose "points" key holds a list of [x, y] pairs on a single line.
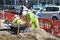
{"points": [[1, 15], [56, 27], [46, 24], [11, 16], [41, 23], [6, 15]]}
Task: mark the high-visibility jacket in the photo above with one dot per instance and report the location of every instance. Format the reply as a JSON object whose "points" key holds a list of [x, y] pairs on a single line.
{"points": [[17, 21], [33, 19], [14, 22]]}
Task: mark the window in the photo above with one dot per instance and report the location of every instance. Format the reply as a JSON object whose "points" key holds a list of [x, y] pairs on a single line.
{"points": [[37, 9], [56, 2], [1, 2], [9, 2], [49, 9], [11, 8], [49, 1], [52, 9]]}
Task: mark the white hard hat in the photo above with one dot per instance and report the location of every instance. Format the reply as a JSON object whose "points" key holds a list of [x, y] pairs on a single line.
{"points": [[16, 16], [24, 13]]}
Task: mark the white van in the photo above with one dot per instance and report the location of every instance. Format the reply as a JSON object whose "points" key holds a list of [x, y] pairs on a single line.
{"points": [[51, 11]]}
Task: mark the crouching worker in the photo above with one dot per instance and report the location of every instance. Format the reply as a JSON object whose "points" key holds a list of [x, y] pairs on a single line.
{"points": [[17, 21], [14, 24], [33, 19]]}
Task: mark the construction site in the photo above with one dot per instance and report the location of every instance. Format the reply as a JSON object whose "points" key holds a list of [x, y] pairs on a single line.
{"points": [[48, 30], [18, 22]]}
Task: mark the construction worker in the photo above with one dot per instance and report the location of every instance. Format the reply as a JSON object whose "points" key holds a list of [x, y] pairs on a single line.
{"points": [[17, 21], [14, 22], [33, 19]]}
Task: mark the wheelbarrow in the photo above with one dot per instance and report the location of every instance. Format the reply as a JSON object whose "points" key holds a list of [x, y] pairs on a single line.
{"points": [[15, 29]]}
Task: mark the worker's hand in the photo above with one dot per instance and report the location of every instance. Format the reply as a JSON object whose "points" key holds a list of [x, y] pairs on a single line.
{"points": [[27, 22]]}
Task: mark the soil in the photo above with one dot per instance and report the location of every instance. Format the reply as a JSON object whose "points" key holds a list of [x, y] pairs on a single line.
{"points": [[36, 34]]}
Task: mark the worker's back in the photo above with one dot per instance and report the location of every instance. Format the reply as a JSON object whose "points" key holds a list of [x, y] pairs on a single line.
{"points": [[33, 19], [30, 16]]}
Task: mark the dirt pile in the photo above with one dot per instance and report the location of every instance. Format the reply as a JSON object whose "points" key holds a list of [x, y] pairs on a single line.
{"points": [[38, 35], [32, 35], [8, 37], [58, 35]]}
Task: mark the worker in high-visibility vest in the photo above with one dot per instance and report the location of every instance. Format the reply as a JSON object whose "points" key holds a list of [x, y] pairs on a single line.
{"points": [[14, 22], [33, 19], [17, 20]]}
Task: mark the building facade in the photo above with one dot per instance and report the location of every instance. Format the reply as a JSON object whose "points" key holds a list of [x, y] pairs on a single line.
{"points": [[29, 2]]}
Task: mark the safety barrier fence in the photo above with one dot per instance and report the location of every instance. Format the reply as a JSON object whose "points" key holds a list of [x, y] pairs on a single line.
{"points": [[7, 16], [46, 24], [1, 15], [50, 26], [56, 27]]}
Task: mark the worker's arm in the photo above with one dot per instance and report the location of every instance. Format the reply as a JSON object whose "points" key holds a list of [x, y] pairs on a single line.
{"points": [[20, 22], [14, 21]]}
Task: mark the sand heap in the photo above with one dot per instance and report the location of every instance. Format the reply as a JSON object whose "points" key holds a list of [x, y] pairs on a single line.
{"points": [[32, 35]]}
